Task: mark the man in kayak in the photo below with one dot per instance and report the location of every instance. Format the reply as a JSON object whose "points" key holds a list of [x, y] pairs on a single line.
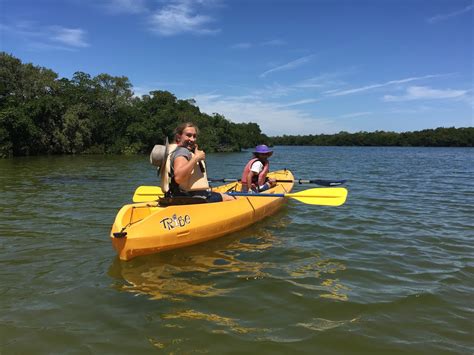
{"points": [[254, 176], [187, 170]]}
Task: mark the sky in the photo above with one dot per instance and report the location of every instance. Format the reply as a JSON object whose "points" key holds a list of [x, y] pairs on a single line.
{"points": [[292, 66]]}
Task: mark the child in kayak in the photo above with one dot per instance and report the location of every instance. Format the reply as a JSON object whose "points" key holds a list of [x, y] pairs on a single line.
{"points": [[254, 176]]}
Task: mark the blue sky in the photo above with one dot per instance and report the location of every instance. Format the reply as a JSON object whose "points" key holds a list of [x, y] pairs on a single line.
{"points": [[292, 66]]}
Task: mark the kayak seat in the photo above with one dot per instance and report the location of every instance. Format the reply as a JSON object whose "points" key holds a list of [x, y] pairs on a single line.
{"points": [[181, 200]]}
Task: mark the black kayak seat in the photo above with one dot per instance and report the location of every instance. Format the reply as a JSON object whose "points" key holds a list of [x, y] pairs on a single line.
{"points": [[181, 200]]}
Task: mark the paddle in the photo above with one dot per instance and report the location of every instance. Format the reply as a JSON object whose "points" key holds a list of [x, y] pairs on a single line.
{"points": [[328, 183], [147, 193], [334, 196]]}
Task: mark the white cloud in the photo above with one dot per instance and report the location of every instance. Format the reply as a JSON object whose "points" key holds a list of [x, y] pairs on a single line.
{"points": [[247, 45], [71, 37], [375, 86], [321, 81], [181, 17], [443, 17], [139, 91], [125, 6], [299, 102], [23, 30], [272, 91], [412, 110], [356, 114], [47, 38], [273, 119], [426, 93], [288, 66]]}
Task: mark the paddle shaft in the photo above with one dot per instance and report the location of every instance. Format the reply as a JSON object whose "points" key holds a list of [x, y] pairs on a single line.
{"points": [[259, 194], [326, 196], [299, 181], [255, 194]]}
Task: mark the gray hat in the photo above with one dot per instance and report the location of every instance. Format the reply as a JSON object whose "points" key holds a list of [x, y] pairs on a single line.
{"points": [[159, 155]]}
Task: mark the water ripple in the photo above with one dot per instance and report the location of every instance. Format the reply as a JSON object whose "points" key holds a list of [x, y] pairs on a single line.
{"points": [[393, 268]]}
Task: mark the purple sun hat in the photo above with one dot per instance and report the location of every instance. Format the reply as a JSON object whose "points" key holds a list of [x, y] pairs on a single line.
{"points": [[262, 149]]}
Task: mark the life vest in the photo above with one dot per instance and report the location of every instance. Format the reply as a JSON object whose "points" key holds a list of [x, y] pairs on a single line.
{"points": [[261, 178], [197, 181]]}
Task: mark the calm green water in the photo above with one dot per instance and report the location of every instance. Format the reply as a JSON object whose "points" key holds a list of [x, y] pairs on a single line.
{"points": [[391, 271]]}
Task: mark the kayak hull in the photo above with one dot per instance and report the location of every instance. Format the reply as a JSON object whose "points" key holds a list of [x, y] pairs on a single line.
{"points": [[146, 228]]}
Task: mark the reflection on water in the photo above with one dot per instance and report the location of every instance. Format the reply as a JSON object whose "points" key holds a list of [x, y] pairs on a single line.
{"points": [[222, 322], [336, 290], [164, 282], [221, 268], [174, 275], [219, 325], [197, 270], [320, 324], [290, 332], [321, 269]]}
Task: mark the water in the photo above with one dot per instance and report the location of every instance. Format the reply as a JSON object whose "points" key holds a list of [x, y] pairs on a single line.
{"points": [[390, 271]]}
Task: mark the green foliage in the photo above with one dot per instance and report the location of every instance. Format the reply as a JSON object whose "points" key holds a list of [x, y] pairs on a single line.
{"points": [[439, 137], [41, 114], [18, 131]]}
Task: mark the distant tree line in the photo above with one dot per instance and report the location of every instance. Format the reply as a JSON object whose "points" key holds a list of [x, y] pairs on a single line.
{"points": [[42, 114], [439, 137]]}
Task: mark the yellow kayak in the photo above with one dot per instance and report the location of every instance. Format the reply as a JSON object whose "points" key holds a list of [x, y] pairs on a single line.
{"points": [[147, 228]]}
